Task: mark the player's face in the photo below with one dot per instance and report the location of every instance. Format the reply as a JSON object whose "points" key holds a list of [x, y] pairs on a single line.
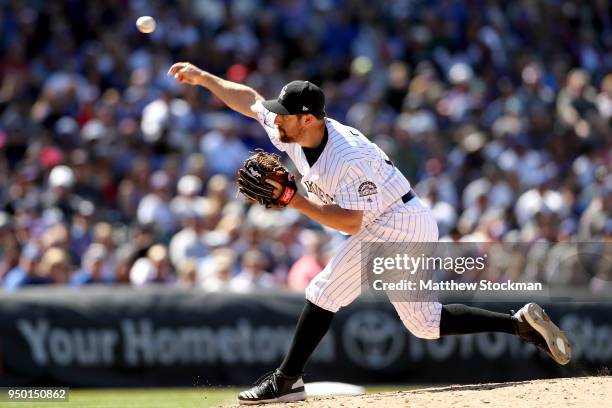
{"points": [[290, 128]]}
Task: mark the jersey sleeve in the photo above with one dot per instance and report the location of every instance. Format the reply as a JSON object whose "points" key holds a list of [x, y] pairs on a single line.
{"points": [[266, 119], [359, 189]]}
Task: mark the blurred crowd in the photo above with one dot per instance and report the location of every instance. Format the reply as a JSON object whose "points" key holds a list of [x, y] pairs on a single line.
{"points": [[498, 112]]}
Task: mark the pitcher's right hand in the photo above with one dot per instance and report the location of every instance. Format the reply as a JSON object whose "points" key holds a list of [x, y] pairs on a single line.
{"points": [[186, 73]]}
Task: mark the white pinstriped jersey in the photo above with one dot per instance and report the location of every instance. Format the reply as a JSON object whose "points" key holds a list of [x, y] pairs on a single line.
{"points": [[355, 174], [351, 172]]}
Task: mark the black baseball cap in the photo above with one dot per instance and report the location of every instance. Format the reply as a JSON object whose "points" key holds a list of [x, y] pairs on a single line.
{"points": [[298, 97]]}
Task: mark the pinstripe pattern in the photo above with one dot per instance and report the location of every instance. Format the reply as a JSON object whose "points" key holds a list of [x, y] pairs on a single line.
{"points": [[349, 162], [340, 282]]}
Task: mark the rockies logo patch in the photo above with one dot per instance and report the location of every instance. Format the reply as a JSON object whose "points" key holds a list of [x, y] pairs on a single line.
{"points": [[367, 188]]}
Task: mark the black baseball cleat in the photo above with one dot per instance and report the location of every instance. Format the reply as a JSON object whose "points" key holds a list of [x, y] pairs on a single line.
{"points": [[274, 387], [534, 326]]}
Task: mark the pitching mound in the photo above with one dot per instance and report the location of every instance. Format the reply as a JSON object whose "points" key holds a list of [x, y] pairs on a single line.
{"points": [[561, 392]]}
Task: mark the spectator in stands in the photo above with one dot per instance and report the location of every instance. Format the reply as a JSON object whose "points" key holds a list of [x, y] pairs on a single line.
{"points": [[187, 273], [26, 272], [189, 243], [92, 267], [154, 208], [189, 199], [60, 195], [154, 268], [224, 149], [103, 235], [55, 265], [9, 246], [311, 263], [595, 220], [576, 101], [81, 230], [253, 275], [216, 271], [604, 98]]}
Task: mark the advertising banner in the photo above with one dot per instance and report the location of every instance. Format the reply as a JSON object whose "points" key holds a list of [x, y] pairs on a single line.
{"points": [[121, 337]]}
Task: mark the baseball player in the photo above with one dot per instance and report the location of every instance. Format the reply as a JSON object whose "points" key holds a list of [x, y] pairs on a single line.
{"points": [[352, 187]]}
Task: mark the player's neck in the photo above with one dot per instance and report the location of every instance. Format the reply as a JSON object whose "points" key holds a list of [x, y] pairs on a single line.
{"points": [[313, 136]]}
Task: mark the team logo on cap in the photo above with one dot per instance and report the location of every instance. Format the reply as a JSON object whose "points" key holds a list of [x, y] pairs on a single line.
{"points": [[282, 92]]}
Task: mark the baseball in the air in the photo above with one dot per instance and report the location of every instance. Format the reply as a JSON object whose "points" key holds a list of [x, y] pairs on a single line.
{"points": [[146, 24]]}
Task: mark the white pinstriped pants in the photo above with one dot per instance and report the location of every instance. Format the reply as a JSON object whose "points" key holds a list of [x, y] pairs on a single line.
{"points": [[339, 283]]}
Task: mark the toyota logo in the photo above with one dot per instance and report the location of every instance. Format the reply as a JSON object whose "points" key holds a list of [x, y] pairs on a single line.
{"points": [[372, 339]]}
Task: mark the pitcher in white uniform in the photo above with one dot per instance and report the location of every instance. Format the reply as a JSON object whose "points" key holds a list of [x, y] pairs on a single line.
{"points": [[353, 187]]}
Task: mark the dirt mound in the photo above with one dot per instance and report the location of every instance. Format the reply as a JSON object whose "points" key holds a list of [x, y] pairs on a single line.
{"points": [[560, 392]]}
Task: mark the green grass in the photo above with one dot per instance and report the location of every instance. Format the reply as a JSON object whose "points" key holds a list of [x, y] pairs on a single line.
{"points": [[157, 398]]}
